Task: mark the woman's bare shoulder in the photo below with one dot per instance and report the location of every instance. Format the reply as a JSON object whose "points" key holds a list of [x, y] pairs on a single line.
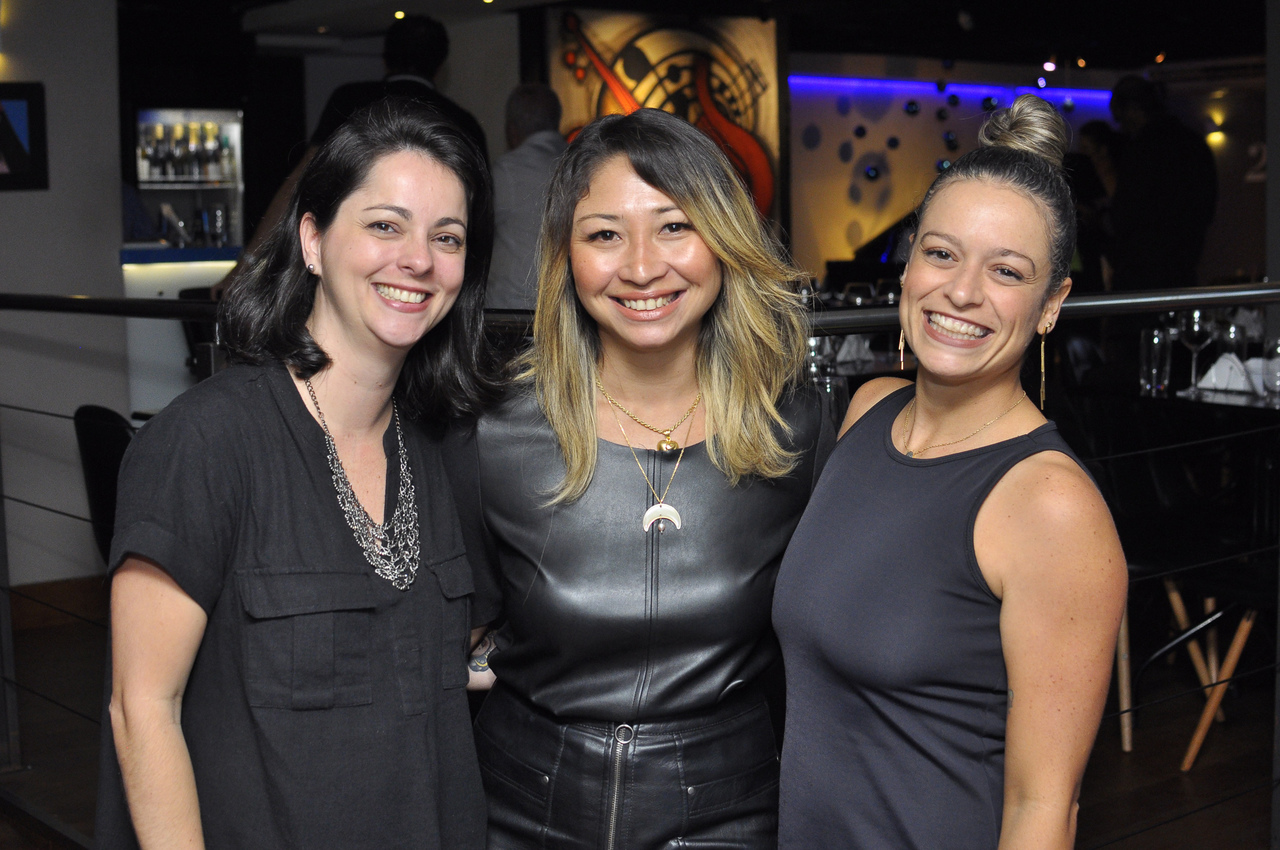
{"points": [[868, 396]]}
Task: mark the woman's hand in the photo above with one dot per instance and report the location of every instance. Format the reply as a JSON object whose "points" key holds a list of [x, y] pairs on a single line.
{"points": [[482, 646], [156, 631], [1047, 547]]}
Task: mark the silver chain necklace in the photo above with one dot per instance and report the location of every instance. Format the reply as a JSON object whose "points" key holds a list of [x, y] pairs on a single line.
{"points": [[395, 556]]}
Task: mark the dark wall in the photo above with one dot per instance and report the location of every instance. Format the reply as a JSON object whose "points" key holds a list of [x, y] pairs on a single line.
{"points": [[193, 54]]}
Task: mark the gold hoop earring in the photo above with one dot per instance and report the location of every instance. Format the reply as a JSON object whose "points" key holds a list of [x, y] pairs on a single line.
{"points": [[1048, 327], [902, 357]]}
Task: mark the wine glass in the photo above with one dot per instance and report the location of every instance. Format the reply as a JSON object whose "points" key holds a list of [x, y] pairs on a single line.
{"points": [[1271, 372], [1196, 332], [1231, 338]]}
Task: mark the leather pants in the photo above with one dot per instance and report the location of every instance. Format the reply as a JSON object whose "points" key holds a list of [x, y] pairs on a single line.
{"points": [[706, 781]]}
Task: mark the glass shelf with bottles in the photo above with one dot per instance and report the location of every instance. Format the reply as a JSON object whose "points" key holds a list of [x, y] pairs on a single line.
{"points": [[189, 148], [190, 178]]}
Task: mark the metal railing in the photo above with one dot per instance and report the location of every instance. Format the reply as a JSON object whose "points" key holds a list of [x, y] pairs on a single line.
{"points": [[845, 321]]}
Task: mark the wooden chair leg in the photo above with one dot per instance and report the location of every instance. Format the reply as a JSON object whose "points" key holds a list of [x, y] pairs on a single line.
{"points": [[1211, 640], [1211, 644], [1193, 645], [1124, 680], [1217, 692]]}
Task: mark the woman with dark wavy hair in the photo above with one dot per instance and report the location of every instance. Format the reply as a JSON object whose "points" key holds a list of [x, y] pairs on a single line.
{"points": [[291, 603], [639, 484]]}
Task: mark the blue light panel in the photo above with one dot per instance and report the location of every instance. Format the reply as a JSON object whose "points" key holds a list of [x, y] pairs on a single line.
{"points": [[917, 88]]}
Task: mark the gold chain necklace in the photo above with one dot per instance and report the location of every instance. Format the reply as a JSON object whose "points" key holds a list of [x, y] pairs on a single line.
{"points": [[666, 444], [911, 415], [661, 510]]}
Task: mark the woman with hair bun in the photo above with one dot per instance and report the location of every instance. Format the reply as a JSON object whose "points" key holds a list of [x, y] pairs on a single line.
{"points": [[948, 606]]}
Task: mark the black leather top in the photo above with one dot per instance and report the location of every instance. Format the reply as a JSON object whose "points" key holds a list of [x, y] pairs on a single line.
{"points": [[605, 621]]}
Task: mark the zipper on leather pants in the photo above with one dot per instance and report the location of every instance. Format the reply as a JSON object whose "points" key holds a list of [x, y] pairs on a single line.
{"points": [[622, 736]]}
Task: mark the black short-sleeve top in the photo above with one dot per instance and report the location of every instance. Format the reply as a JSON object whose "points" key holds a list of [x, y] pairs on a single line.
{"points": [[324, 708]]}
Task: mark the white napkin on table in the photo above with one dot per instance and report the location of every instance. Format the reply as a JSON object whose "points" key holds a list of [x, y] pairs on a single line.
{"points": [[1228, 373]]}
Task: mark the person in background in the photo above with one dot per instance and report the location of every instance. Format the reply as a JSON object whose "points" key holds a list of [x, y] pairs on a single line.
{"points": [[1091, 173], [949, 604], [291, 600], [520, 178], [637, 488], [1166, 186], [414, 49]]}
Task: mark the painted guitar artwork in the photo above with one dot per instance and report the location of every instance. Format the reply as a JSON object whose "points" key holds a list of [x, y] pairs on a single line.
{"points": [[688, 74]]}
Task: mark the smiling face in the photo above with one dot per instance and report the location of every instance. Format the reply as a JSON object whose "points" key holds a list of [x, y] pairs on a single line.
{"points": [[973, 293], [391, 262], [639, 268]]}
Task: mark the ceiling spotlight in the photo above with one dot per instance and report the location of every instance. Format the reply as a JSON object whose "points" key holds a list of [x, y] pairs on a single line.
{"points": [[322, 29], [1040, 81], [1159, 57], [1050, 66], [1080, 62], [399, 16]]}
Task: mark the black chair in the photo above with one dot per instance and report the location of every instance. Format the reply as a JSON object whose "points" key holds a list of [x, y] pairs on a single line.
{"points": [[1173, 509], [102, 436], [201, 336]]}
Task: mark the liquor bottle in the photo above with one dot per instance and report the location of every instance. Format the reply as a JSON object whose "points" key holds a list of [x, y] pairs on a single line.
{"points": [[178, 152], [197, 228], [212, 161], [195, 153], [160, 164], [226, 156], [146, 152], [218, 226]]}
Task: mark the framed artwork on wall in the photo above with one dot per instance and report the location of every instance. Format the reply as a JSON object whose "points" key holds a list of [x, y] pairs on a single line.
{"points": [[24, 142], [718, 73]]}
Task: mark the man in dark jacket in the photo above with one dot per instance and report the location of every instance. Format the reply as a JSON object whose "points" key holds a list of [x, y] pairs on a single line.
{"points": [[1166, 189]]}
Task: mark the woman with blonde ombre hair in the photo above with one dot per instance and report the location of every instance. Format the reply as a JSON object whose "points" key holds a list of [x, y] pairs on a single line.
{"points": [[636, 490]]}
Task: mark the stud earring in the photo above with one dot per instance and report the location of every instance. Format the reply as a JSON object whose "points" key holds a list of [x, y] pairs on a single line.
{"points": [[311, 268]]}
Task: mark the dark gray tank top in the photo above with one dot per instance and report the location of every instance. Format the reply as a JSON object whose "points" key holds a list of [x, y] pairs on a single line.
{"points": [[896, 684]]}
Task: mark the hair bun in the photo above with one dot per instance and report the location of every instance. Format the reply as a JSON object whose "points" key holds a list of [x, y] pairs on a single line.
{"points": [[1030, 125]]}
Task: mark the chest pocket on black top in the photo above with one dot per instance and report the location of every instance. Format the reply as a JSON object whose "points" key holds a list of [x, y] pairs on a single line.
{"points": [[456, 585], [306, 641]]}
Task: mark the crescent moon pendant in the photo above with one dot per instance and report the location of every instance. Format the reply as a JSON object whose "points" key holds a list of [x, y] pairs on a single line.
{"points": [[661, 511]]}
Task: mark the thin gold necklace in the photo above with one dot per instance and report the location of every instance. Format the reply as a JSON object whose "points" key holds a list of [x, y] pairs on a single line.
{"points": [[666, 444], [911, 416], [659, 511]]}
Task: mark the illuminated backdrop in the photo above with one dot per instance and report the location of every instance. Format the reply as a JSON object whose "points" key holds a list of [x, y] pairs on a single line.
{"points": [[863, 151]]}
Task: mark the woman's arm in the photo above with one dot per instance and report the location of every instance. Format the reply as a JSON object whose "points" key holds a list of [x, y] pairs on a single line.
{"points": [[156, 630], [1047, 546]]}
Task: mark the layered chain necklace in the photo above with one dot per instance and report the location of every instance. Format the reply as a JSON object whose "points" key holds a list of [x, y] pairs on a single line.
{"points": [[666, 444], [660, 511], [394, 555], [911, 417]]}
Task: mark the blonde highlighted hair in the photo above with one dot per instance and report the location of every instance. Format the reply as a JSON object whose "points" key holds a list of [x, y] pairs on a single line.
{"points": [[751, 346]]}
